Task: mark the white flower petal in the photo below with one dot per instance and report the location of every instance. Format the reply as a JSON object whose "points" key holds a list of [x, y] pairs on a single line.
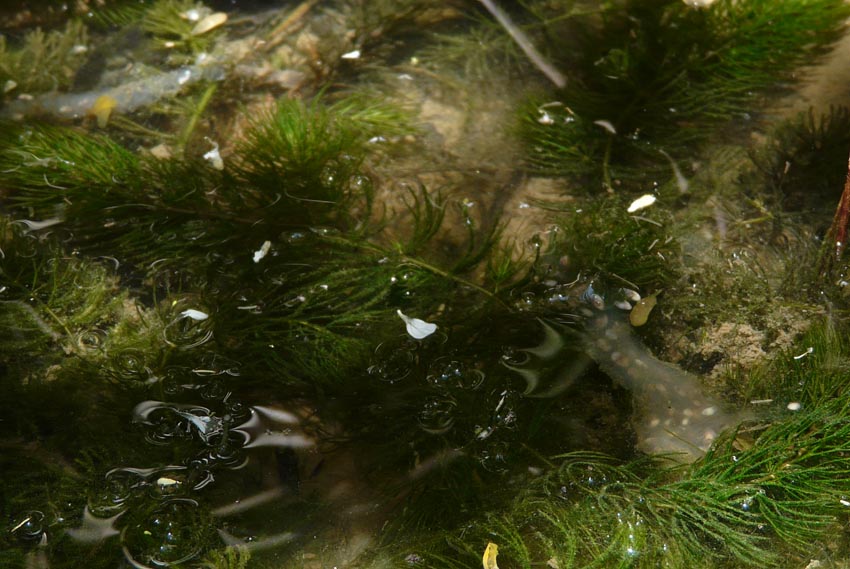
{"points": [[645, 200], [417, 328], [262, 251], [194, 314]]}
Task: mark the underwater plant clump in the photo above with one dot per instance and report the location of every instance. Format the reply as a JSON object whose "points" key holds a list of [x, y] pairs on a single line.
{"points": [[646, 90], [45, 61]]}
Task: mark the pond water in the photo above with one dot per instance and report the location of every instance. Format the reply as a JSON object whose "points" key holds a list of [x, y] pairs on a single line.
{"points": [[416, 283]]}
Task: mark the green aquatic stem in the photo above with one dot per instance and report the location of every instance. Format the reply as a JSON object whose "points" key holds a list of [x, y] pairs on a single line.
{"points": [[422, 264], [195, 117], [453, 277]]}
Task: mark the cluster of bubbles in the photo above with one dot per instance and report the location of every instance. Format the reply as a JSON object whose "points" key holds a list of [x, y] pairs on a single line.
{"points": [[161, 522], [468, 400], [155, 512]]}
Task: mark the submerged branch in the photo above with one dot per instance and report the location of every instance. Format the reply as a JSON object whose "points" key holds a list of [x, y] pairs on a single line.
{"points": [[835, 240], [525, 45]]}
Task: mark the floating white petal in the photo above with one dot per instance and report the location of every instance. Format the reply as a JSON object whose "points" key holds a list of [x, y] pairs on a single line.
{"points": [[34, 225], [417, 328], [194, 314], [214, 157], [262, 251], [645, 200], [607, 125]]}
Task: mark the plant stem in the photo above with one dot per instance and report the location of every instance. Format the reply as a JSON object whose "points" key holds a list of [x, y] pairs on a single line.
{"points": [[835, 240], [196, 115], [525, 45]]}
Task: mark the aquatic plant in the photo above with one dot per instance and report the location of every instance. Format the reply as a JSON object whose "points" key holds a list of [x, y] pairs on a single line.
{"points": [[181, 25], [44, 61], [276, 301], [643, 86], [781, 481]]}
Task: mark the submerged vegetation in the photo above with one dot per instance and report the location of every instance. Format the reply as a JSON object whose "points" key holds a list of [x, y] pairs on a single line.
{"points": [[652, 80], [250, 325]]}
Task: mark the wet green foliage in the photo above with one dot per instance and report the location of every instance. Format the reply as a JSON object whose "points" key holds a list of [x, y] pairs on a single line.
{"points": [[812, 374], [635, 250], [778, 482], [800, 170], [169, 23], [175, 300], [44, 61], [663, 74]]}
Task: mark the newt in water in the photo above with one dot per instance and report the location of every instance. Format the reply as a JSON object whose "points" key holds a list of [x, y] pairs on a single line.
{"points": [[673, 413]]}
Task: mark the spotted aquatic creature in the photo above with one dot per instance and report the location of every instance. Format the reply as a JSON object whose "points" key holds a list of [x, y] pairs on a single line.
{"points": [[673, 413]]}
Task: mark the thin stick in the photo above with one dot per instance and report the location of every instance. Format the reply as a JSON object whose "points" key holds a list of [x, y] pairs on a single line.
{"points": [[525, 45], [836, 238]]}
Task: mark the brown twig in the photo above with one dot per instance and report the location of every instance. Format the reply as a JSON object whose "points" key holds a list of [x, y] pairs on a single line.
{"points": [[525, 45], [835, 240], [278, 34]]}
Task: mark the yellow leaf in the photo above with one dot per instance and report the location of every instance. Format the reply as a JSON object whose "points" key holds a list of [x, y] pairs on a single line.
{"points": [[490, 553], [102, 109]]}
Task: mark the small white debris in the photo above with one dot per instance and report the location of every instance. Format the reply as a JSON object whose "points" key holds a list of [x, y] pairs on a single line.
{"points": [[794, 406], [194, 314], [351, 54], [192, 15], [645, 200], [606, 125], [623, 304], [165, 482], [809, 350], [213, 156], [631, 295], [418, 329], [33, 225], [844, 503], [545, 118], [8, 86], [79, 49], [262, 251]]}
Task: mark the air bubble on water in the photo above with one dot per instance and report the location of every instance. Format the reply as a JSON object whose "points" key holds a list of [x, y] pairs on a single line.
{"points": [[90, 341], [437, 414], [165, 536], [131, 365], [450, 373], [392, 363], [192, 328], [29, 527]]}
